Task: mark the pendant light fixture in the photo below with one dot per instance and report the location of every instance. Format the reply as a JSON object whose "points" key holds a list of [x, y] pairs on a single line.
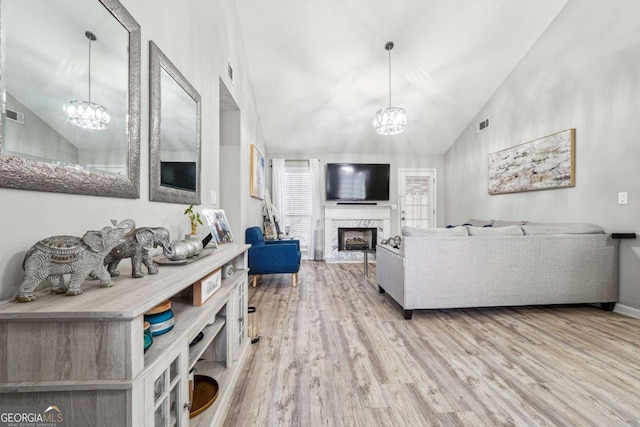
{"points": [[87, 114], [391, 120]]}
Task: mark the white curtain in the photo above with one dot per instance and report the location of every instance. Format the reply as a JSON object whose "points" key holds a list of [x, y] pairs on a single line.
{"points": [[316, 201], [278, 190]]}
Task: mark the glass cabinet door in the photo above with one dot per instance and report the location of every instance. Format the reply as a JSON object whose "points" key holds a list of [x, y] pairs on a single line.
{"points": [[242, 313], [240, 330], [169, 394]]}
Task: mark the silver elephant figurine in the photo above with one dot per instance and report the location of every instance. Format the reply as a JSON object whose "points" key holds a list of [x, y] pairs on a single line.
{"points": [[178, 251], [55, 256], [136, 246]]}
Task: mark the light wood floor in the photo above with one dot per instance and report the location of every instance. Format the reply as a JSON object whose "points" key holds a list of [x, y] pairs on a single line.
{"points": [[335, 352]]}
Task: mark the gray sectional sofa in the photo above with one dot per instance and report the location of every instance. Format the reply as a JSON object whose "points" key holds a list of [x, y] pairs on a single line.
{"points": [[507, 264]]}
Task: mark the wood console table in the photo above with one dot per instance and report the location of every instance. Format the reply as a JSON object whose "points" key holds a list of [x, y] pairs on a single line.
{"points": [[85, 354]]}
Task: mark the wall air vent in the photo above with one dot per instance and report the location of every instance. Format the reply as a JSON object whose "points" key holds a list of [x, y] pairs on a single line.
{"points": [[15, 116], [480, 126], [230, 71]]}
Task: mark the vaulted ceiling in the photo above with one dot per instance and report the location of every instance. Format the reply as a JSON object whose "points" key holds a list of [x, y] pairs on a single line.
{"points": [[319, 68]]}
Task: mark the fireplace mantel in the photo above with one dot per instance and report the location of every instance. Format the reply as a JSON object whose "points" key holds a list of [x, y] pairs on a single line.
{"points": [[336, 216]]}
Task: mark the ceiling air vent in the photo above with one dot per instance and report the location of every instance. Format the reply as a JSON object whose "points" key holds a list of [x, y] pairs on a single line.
{"points": [[15, 116], [480, 126]]}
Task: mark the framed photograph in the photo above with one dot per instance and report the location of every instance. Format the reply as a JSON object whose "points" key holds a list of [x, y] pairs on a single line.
{"points": [[270, 232], [205, 287], [219, 226], [210, 241], [257, 173], [542, 164]]}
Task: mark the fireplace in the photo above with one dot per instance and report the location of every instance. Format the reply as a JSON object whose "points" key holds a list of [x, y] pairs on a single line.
{"points": [[353, 216], [357, 238]]}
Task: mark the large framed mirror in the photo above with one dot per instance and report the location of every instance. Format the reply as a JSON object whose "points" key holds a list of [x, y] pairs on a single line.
{"points": [[70, 84], [174, 147]]}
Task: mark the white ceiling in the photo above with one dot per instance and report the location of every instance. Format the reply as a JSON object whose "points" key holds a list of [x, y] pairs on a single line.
{"points": [[319, 68]]}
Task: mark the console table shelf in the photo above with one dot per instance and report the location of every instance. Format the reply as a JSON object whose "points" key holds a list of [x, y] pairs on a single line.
{"points": [[225, 378], [210, 332], [85, 353]]}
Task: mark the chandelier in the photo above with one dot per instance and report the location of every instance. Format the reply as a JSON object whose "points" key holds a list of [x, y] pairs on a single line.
{"points": [[391, 120], [87, 114]]}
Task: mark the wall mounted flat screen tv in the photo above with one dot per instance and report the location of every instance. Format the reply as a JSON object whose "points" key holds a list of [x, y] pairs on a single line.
{"points": [[178, 175], [358, 181]]}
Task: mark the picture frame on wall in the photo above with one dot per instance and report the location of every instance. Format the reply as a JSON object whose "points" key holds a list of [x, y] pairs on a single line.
{"points": [[219, 226], [257, 181], [543, 164]]}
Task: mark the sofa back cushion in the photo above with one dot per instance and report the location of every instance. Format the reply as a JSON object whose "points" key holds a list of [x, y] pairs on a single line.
{"points": [[416, 236], [508, 230], [452, 231], [501, 223], [534, 228], [480, 222]]}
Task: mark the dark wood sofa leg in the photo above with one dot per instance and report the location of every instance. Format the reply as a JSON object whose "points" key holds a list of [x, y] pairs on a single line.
{"points": [[408, 314], [380, 289], [607, 306]]}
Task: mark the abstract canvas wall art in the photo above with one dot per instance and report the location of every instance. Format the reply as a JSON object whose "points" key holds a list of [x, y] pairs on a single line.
{"points": [[257, 182], [542, 164]]}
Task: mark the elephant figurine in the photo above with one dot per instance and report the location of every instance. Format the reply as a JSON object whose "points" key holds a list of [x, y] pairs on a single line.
{"points": [[136, 246], [178, 251], [55, 256]]}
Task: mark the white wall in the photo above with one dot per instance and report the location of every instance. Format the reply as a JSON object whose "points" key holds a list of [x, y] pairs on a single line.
{"points": [[583, 73], [397, 161], [230, 188], [200, 39]]}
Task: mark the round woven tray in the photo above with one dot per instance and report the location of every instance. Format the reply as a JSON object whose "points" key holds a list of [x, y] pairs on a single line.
{"points": [[205, 392]]}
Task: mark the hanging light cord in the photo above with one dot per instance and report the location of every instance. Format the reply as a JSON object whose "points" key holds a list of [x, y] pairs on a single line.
{"points": [[92, 37], [389, 77], [89, 69]]}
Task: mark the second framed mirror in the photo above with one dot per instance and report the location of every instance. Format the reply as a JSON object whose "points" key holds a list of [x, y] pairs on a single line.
{"points": [[174, 157]]}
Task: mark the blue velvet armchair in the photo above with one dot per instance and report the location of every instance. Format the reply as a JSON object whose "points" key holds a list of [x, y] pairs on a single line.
{"points": [[272, 256]]}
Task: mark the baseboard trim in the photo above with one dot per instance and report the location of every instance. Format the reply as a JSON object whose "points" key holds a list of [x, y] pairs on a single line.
{"points": [[627, 311]]}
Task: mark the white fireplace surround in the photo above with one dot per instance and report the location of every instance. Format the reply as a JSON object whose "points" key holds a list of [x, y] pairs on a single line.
{"points": [[355, 216]]}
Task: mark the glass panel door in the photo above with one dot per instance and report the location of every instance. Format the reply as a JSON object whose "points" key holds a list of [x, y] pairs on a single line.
{"points": [[417, 197]]}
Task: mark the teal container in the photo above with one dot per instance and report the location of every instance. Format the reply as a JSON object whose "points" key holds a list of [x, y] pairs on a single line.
{"points": [[161, 323], [148, 338]]}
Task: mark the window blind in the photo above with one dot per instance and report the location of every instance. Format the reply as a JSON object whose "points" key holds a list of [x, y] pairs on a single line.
{"points": [[298, 203]]}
